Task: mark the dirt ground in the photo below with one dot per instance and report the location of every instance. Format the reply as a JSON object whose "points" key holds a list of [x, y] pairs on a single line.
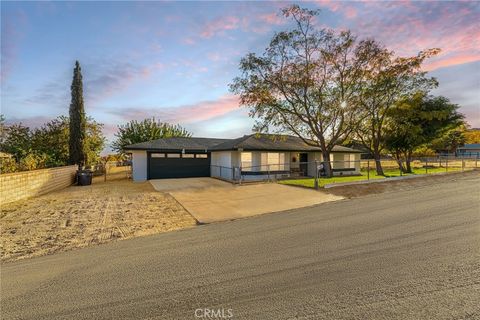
{"points": [[359, 190], [82, 216]]}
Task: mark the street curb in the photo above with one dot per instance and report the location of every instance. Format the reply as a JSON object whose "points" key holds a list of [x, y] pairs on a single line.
{"points": [[342, 184]]}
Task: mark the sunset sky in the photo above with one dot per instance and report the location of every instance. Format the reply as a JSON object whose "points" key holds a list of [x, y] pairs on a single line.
{"points": [[174, 60]]}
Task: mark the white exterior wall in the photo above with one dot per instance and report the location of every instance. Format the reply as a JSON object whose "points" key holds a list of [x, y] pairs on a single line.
{"points": [[235, 163], [221, 164], [229, 160], [338, 161], [312, 157], [357, 163], [139, 165], [346, 160], [296, 164], [260, 163]]}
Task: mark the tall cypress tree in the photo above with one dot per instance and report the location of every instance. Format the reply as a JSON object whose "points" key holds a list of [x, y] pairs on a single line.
{"points": [[77, 120]]}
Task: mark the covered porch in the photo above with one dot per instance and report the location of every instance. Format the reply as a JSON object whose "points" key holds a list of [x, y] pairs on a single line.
{"points": [[273, 165]]}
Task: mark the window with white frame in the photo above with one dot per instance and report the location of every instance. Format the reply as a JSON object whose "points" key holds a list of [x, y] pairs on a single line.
{"points": [[276, 161], [246, 161], [352, 160], [349, 160]]}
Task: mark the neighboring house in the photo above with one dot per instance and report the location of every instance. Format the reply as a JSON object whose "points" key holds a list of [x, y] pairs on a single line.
{"points": [[251, 157], [357, 145], [469, 150]]}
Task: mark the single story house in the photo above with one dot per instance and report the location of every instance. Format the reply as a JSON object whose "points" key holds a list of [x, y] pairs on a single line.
{"points": [[251, 157], [469, 150]]}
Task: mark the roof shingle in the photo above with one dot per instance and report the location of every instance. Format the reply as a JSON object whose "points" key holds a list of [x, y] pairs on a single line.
{"points": [[177, 143], [253, 142]]}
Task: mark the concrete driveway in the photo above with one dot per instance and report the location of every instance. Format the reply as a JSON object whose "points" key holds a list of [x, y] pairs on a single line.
{"points": [[210, 200]]}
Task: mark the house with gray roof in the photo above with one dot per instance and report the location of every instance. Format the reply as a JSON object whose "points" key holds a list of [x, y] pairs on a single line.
{"points": [[251, 157], [471, 150]]}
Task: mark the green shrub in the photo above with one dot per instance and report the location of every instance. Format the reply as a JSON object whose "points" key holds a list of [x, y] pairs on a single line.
{"points": [[8, 165]]}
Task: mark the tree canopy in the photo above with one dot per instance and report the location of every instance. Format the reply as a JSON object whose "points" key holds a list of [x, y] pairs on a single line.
{"points": [[15, 139], [387, 79], [48, 145], [472, 136], [306, 82], [53, 139], [145, 130], [323, 86], [416, 121]]}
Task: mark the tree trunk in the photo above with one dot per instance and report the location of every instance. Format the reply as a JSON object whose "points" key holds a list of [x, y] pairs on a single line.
{"points": [[408, 160], [408, 166], [398, 158], [378, 164], [401, 166], [326, 164]]}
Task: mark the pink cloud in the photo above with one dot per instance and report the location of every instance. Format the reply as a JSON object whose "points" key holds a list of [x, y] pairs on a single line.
{"points": [[272, 18], [189, 41], [451, 61], [331, 5], [342, 7], [219, 26], [350, 12], [201, 111], [418, 26]]}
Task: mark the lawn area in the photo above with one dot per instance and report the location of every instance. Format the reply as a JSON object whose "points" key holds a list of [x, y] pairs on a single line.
{"points": [[309, 182]]}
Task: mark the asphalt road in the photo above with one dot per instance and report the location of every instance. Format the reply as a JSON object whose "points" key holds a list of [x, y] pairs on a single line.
{"points": [[412, 254]]}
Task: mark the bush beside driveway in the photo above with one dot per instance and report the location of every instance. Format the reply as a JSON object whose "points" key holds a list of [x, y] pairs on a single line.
{"points": [[82, 216]]}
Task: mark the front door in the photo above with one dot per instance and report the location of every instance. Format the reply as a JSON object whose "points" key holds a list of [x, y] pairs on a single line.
{"points": [[303, 162]]}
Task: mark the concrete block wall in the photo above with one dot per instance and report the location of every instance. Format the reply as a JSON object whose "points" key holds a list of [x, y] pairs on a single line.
{"points": [[22, 185]]}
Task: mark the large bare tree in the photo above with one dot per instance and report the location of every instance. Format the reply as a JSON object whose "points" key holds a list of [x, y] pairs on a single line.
{"points": [[306, 82]]}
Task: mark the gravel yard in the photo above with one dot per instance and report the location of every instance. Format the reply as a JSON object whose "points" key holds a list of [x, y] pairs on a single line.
{"points": [[82, 216]]}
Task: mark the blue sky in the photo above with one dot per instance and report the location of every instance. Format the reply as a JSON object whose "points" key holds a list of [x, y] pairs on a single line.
{"points": [[174, 60]]}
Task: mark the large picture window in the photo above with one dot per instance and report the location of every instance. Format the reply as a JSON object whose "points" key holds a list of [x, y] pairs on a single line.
{"points": [[246, 161], [276, 161]]}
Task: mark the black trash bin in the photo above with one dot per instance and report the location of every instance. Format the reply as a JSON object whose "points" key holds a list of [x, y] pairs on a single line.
{"points": [[84, 177]]}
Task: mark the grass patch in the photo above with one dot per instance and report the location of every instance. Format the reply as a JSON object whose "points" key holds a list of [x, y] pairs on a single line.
{"points": [[309, 182]]}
